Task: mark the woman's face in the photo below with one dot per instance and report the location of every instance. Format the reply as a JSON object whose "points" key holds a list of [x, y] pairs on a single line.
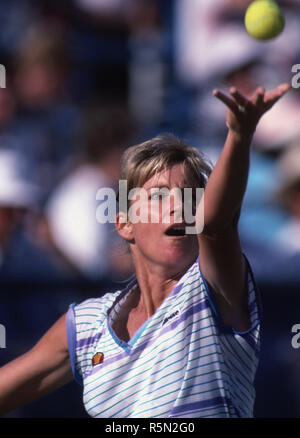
{"points": [[161, 238]]}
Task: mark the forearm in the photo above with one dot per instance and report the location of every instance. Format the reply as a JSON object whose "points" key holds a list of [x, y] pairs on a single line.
{"points": [[41, 370], [227, 184], [25, 380]]}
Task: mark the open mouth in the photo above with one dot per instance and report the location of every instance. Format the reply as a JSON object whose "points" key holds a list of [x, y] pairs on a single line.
{"points": [[176, 230]]}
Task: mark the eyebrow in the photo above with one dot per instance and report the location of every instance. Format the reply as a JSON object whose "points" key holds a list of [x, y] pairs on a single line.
{"points": [[159, 186], [166, 186]]}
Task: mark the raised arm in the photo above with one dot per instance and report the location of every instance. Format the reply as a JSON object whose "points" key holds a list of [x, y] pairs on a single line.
{"points": [[220, 255], [227, 184], [43, 369]]}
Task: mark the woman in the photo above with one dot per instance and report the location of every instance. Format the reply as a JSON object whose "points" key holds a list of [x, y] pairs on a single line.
{"points": [[183, 338]]}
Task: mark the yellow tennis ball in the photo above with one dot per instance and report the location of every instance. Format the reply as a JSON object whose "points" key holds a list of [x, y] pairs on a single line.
{"points": [[264, 19]]}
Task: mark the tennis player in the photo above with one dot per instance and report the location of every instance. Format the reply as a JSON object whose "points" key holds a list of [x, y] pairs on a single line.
{"points": [[182, 340]]}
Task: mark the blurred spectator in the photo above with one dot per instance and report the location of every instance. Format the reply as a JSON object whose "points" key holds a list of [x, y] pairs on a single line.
{"points": [[21, 259], [288, 238], [97, 37], [270, 223], [45, 123], [93, 248], [213, 50], [147, 69], [219, 26], [127, 55], [15, 18], [7, 109], [41, 66]]}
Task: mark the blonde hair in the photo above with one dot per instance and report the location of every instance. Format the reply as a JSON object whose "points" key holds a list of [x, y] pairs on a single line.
{"points": [[142, 161]]}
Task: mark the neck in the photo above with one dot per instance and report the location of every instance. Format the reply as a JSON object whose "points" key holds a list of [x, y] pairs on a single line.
{"points": [[154, 286]]}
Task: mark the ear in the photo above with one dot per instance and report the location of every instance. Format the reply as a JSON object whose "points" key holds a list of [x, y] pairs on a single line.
{"points": [[124, 227]]}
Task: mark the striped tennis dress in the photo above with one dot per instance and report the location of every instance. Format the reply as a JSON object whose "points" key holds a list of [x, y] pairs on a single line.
{"points": [[182, 362]]}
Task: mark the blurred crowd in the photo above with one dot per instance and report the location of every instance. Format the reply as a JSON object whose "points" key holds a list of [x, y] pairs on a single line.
{"points": [[87, 78], [78, 92], [214, 51]]}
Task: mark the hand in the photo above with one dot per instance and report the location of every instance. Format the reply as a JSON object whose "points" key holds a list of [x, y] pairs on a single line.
{"points": [[243, 114]]}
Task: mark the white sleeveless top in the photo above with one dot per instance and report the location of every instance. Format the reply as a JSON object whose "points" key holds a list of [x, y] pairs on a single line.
{"points": [[183, 361]]}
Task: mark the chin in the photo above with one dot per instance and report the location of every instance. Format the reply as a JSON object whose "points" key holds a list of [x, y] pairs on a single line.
{"points": [[180, 258]]}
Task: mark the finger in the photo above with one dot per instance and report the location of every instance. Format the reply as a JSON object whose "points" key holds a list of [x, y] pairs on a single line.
{"points": [[226, 100], [277, 92], [284, 87], [239, 98], [258, 97], [271, 97]]}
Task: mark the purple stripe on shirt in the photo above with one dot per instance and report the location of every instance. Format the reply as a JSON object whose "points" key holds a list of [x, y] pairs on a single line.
{"points": [[87, 341], [91, 339], [192, 310], [201, 404]]}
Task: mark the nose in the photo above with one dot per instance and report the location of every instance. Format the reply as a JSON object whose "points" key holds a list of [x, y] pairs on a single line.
{"points": [[176, 204]]}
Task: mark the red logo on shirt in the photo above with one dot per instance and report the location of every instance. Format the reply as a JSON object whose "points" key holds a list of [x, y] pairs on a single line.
{"points": [[97, 359]]}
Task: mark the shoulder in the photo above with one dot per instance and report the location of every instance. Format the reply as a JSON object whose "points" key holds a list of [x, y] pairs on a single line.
{"points": [[85, 320], [93, 310], [84, 324], [194, 285], [192, 273]]}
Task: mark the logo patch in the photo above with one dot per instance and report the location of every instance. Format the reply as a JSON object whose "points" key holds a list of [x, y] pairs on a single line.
{"points": [[97, 358], [170, 317]]}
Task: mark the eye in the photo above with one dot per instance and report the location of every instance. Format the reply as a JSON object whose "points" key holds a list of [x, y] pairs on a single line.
{"points": [[156, 195]]}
